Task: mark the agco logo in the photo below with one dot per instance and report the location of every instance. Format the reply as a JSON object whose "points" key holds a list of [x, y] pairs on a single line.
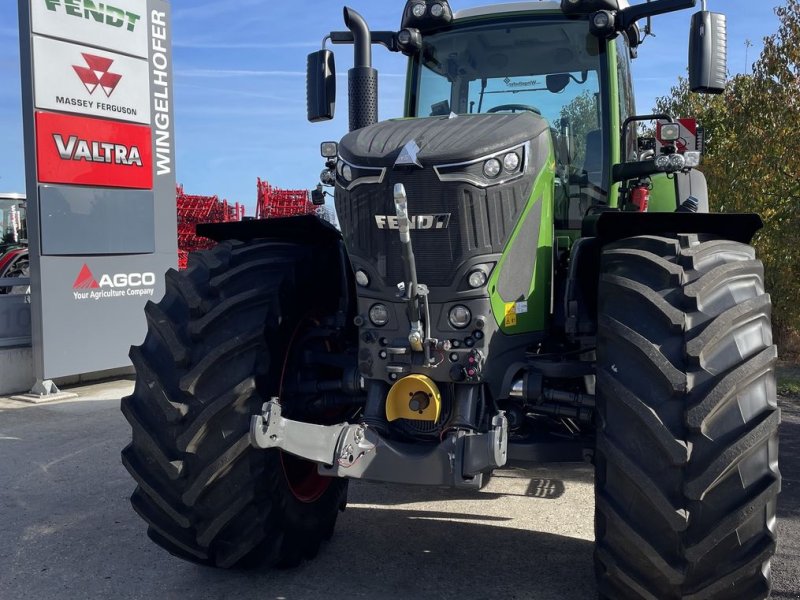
{"points": [[97, 74], [91, 10], [440, 221], [87, 287]]}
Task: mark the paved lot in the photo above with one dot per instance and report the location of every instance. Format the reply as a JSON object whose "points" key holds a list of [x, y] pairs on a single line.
{"points": [[67, 531]]}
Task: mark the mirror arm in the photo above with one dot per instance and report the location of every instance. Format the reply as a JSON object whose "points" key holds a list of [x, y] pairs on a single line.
{"points": [[630, 15], [635, 119], [387, 39]]}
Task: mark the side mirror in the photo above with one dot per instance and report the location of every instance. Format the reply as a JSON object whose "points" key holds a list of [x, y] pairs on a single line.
{"points": [[557, 83], [321, 86], [708, 53], [318, 196]]}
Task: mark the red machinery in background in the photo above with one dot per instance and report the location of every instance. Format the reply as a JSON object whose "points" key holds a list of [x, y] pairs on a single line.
{"points": [[275, 203], [272, 203], [200, 209]]}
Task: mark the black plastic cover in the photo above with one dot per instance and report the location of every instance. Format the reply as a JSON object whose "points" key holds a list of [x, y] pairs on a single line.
{"points": [[611, 226], [441, 140]]}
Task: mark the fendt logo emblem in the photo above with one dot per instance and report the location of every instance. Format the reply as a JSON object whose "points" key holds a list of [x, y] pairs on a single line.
{"points": [[440, 221], [98, 74]]}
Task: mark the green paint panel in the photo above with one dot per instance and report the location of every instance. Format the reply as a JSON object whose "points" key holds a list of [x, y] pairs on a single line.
{"points": [[663, 196], [536, 313]]}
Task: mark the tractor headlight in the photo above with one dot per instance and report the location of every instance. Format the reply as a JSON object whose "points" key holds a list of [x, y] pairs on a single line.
{"points": [[329, 149], [492, 168], [379, 315], [418, 10], [511, 162], [354, 175], [460, 316], [437, 10], [693, 159], [677, 162], [362, 278], [477, 279], [662, 162], [670, 132]]}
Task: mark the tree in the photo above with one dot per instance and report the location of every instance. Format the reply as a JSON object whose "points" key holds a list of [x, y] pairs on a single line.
{"points": [[582, 115], [752, 163]]}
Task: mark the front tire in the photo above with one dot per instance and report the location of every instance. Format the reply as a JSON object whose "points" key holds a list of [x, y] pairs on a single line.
{"points": [[214, 352], [687, 443]]}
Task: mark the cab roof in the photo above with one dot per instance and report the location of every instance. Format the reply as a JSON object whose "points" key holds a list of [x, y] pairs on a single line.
{"points": [[509, 7]]}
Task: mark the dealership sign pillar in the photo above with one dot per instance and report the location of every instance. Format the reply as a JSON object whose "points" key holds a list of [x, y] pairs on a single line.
{"points": [[100, 161]]}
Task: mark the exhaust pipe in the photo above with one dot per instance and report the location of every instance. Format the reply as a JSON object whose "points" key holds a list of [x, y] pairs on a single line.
{"points": [[362, 79]]}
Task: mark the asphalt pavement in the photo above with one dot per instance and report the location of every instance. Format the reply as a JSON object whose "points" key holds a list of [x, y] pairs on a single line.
{"points": [[67, 530]]}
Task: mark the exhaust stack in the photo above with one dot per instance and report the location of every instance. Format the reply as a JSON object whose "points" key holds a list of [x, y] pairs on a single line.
{"points": [[362, 79]]}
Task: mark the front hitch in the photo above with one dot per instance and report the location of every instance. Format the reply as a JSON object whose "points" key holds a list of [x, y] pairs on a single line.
{"points": [[360, 452]]}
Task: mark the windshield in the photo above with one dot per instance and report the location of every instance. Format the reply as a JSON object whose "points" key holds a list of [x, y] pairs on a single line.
{"points": [[549, 67]]}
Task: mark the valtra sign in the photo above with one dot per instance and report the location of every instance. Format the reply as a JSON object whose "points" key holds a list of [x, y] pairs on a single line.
{"points": [[79, 79], [81, 151]]}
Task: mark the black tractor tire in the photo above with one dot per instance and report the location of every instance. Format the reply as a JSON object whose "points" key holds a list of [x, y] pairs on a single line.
{"points": [[687, 442], [213, 354]]}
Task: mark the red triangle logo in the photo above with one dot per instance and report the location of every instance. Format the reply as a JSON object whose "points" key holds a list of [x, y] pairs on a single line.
{"points": [[85, 280]]}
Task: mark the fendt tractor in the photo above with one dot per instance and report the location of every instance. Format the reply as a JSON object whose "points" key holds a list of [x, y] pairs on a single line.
{"points": [[520, 277]]}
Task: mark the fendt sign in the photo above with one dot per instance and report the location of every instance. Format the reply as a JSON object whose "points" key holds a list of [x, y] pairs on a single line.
{"points": [[118, 25], [97, 96]]}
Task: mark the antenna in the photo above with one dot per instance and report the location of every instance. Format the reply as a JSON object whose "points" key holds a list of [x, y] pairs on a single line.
{"points": [[648, 28]]}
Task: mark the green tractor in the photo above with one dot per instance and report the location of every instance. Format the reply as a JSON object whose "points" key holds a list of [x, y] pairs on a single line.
{"points": [[519, 278]]}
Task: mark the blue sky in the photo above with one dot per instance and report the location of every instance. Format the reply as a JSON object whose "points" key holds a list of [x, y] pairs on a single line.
{"points": [[240, 83]]}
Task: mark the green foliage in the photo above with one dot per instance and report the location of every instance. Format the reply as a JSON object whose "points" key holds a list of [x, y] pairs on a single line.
{"points": [[752, 162]]}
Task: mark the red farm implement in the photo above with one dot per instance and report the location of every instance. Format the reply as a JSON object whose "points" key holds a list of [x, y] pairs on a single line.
{"points": [[274, 202], [200, 209]]}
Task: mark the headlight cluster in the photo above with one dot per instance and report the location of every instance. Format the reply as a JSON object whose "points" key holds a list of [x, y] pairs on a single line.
{"points": [[487, 171], [493, 167], [351, 176], [672, 163]]}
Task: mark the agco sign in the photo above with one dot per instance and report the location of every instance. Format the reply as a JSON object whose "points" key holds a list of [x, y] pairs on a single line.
{"points": [[77, 150], [118, 285]]}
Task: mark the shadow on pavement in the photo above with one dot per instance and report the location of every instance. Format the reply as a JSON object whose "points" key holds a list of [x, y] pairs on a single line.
{"points": [[396, 554]]}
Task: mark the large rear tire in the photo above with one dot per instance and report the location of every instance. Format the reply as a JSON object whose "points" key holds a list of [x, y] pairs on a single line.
{"points": [[687, 444], [214, 352]]}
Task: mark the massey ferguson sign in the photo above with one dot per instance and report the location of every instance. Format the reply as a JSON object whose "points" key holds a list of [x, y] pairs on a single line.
{"points": [[77, 150], [78, 79]]}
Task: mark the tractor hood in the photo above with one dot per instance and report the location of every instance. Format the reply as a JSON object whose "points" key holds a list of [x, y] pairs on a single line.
{"points": [[441, 140]]}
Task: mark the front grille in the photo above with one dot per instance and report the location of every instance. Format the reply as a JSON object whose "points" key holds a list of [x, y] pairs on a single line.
{"points": [[481, 222]]}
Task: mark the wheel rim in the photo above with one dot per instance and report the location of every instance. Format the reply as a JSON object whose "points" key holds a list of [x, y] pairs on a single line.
{"points": [[302, 476], [305, 483]]}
